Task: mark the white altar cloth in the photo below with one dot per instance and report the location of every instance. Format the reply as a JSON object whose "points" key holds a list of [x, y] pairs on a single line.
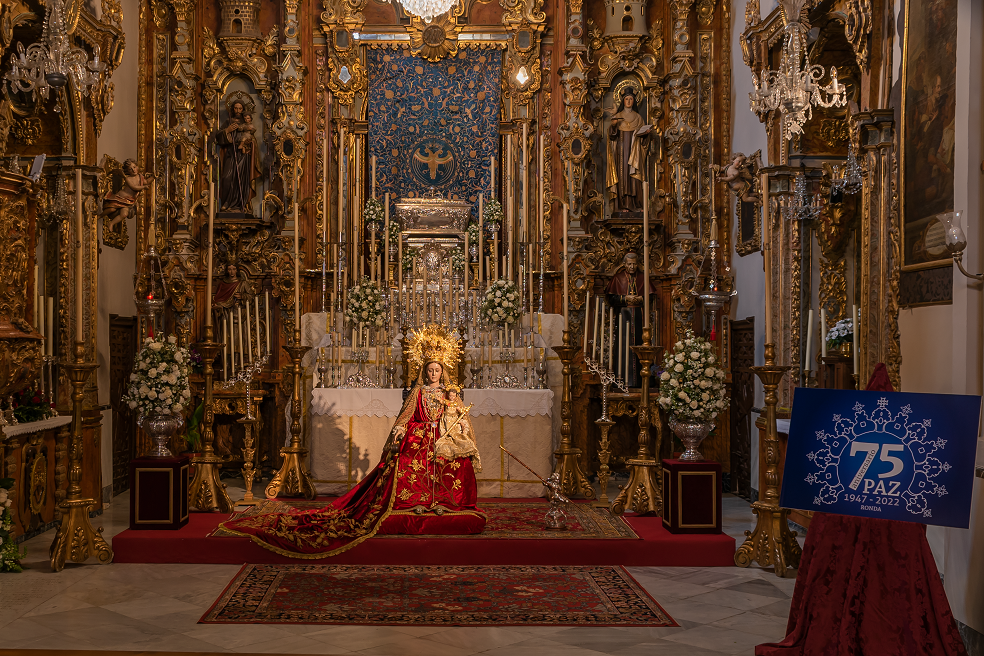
{"points": [[348, 428]]}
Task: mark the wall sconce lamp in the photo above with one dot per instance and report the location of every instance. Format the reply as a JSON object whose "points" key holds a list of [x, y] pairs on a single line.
{"points": [[956, 242]]}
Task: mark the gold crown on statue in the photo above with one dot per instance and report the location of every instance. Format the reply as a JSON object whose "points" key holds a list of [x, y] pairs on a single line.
{"points": [[433, 343]]}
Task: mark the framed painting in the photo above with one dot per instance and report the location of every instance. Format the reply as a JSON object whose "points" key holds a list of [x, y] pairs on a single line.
{"points": [[929, 63]]}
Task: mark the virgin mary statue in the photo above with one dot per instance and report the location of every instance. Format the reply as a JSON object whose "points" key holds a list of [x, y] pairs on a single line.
{"points": [[424, 483]]}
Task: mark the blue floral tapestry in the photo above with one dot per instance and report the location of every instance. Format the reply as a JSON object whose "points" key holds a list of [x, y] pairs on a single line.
{"points": [[434, 124]]}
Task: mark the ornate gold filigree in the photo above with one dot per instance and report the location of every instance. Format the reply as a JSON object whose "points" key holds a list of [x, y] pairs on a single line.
{"points": [[438, 39], [857, 29], [705, 11]]}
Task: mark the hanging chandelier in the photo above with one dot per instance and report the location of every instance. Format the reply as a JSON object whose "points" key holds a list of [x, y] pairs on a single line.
{"points": [[850, 183], [795, 88], [50, 63], [427, 10], [802, 208]]}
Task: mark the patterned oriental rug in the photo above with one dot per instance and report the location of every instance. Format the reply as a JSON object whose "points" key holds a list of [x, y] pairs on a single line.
{"points": [[507, 520], [477, 595]]}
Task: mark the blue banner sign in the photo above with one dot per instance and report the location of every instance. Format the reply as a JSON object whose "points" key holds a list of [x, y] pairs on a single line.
{"points": [[890, 455]]}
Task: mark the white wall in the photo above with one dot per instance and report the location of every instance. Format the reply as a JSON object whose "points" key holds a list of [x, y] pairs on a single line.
{"points": [[118, 139]]}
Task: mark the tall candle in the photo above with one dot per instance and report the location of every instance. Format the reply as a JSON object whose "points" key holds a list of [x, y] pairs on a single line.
{"points": [[239, 319], [386, 238], [767, 257], [564, 255], [526, 179], [256, 306], [152, 234], [225, 347], [481, 237], [78, 255], [492, 173], [373, 176], [509, 198], [611, 334], [269, 328], [823, 332], [599, 313], [38, 312], [808, 359], [621, 344], [50, 326], [211, 224], [297, 267], [857, 338], [467, 265], [341, 182], [249, 335], [645, 253], [587, 314], [539, 207]]}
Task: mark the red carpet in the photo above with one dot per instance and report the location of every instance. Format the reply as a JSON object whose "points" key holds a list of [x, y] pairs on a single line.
{"points": [[475, 595], [656, 547]]}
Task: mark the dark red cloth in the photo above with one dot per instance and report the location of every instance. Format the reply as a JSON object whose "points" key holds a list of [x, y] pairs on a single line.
{"points": [[867, 586]]}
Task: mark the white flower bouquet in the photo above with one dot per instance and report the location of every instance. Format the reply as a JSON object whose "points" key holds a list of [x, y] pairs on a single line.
{"points": [[159, 382], [373, 214], [492, 215], [841, 333], [502, 303], [365, 304], [457, 256], [10, 553], [691, 386]]}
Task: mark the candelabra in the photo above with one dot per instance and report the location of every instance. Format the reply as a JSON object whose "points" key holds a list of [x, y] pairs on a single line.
{"points": [[771, 543], [245, 376], [643, 492], [568, 468], [361, 379], [853, 177], [802, 208], [293, 479], [76, 540], [206, 492], [322, 370], [48, 371], [713, 297], [606, 377]]}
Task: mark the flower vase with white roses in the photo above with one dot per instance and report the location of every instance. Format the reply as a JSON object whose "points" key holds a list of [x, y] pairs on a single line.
{"points": [[502, 304], [159, 389], [10, 553], [691, 391], [365, 304]]}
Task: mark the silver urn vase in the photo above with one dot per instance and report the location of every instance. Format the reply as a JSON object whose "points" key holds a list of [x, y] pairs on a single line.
{"points": [[161, 427], [691, 434]]}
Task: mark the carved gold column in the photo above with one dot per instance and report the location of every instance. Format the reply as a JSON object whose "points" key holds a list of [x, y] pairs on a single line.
{"points": [[294, 479], [573, 481], [207, 493], [771, 543], [642, 493], [76, 540]]}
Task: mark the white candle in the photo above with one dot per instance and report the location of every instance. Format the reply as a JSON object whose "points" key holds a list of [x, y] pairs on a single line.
{"points": [[808, 359], [524, 232], [492, 172], [341, 181], [78, 255], [211, 223], [297, 266], [50, 325], [823, 333], [611, 335], [225, 347], [386, 243], [256, 300], [481, 230], [239, 319], [373, 176], [645, 254], [856, 340], [38, 312], [539, 207], [597, 321], [249, 335], [509, 198], [268, 326], [587, 314], [767, 257], [564, 255], [621, 351]]}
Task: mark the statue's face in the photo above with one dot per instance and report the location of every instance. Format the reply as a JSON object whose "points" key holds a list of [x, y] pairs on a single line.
{"points": [[629, 102], [433, 373], [129, 168], [631, 265], [237, 110], [232, 270]]}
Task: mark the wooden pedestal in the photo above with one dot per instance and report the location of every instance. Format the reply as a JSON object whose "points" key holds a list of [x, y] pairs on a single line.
{"points": [[691, 496], [159, 493]]}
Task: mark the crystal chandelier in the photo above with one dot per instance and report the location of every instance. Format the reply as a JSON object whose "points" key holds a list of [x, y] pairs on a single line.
{"points": [[802, 208], [428, 10], [50, 63], [851, 181], [795, 88]]}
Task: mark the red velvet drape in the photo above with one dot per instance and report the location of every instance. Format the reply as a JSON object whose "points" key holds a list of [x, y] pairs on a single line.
{"points": [[866, 587]]}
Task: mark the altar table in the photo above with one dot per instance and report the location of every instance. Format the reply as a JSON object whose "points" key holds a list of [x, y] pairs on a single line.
{"points": [[348, 428]]}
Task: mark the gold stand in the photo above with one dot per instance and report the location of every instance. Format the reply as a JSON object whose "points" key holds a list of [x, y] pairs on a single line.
{"points": [[293, 479], [206, 492], [76, 540], [771, 543], [572, 480], [604, 455], [249, 452], [642, 493]]}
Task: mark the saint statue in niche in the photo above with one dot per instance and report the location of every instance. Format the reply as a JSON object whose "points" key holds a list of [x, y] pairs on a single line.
{"points": [[237, 141], [118, 204], [626, 155], [625, 293], [231, 288]]}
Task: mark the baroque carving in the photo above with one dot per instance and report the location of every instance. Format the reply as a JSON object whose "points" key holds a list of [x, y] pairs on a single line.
{"points": [[438, 39]]}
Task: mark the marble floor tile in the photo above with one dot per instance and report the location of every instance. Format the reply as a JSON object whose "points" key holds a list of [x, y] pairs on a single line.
{"points": [[759, 587], [107, 636], [739, 600], [541, 647], [409, 646], [670, 588], [486, 637], [663, 648], [356, 638], [59, 604], [728, 641], [151, 605], [768, 626], [25, 629], [231, 636], [293, 645], [420, 631], [714, 577], [81, 618], [778, 609], [695, 611]]}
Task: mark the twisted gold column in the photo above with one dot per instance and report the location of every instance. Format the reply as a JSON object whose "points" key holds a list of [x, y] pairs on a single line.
{"points": [[76, 540], [294, 479], [771, 543], [573, 481], [206, 492]]}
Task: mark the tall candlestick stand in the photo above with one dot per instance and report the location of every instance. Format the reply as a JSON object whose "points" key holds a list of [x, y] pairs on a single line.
{"points": [[206, 492], [249, 451], [771, 543], [293, 479], [606, 378], [643, 492], [572, 480], [76, 540]]}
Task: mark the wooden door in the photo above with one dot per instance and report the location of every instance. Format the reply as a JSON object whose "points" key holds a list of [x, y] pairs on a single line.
{"points": [[123, 350], [742, 399]]}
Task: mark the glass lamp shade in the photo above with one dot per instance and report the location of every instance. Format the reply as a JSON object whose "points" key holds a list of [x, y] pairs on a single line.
{"points": [[956, 241], [149, 291]]}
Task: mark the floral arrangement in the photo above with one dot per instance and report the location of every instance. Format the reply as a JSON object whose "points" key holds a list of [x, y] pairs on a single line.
{"points": [[473, 234], [29, 405], [502, 303], [410, 255], [492, 213], [457, 256], [365, 304], [373, 214], [10, 555], [691, 387], [159, 382], [841, 333]]}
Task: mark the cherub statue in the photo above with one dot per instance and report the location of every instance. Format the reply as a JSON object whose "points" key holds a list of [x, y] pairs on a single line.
{"points": [[118, 205], [740, 175]]}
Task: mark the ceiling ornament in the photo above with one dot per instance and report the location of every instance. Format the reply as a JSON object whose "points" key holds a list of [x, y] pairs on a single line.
{"points": [[795, 88], [427, 10], [438, 39]]}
